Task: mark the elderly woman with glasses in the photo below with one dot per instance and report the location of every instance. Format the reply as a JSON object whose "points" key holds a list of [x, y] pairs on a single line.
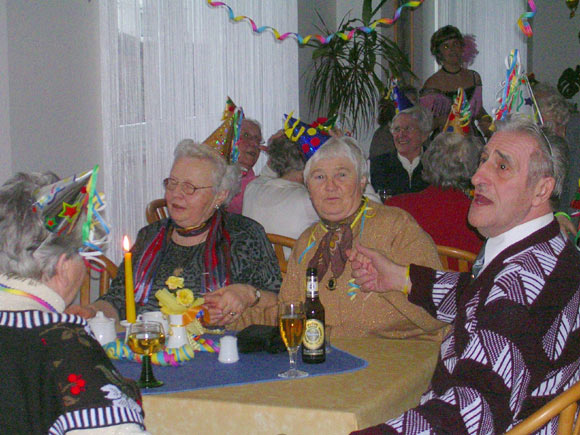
{"points": [[56, 377], [226, 258], [399, 171], [336, 177]]}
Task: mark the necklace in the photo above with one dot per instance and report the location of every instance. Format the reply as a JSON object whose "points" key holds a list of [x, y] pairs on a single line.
{"points": [[450, 72]]}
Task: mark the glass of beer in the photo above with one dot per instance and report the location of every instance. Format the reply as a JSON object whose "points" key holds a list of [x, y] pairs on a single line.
{"points": [[146, 338], [291, 318]]}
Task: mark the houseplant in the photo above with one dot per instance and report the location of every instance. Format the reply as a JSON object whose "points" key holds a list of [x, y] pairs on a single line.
{"points": [[345, 76]]}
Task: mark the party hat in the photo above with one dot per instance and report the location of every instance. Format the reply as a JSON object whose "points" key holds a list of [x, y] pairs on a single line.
{"points": [[225, 138], [398, 97], [70, 202], [459, 116], [308, 137], [515, 95]]}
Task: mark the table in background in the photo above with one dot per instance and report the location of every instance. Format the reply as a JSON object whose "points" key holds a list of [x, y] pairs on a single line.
{"points": [[398, 373]]}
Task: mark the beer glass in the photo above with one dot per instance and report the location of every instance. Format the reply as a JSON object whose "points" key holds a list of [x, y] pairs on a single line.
{"points": [[146, 338], [291, 318]]}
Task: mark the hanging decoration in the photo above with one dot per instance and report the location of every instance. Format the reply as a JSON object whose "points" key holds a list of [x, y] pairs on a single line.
{"points": [[321, 39], [522, 22]]}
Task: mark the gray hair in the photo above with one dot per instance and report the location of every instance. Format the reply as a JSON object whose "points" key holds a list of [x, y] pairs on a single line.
{"points": [[256, 124], [551, 157], [224, 176], [27, 248], [284, 155], [340, 147], [423, 117], [551, 102], [450, 160]]}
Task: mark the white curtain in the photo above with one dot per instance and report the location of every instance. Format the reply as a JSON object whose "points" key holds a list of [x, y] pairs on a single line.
{"points": [[494, 24], [167, 67]]}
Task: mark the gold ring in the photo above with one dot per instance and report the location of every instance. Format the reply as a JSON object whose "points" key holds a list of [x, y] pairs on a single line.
{"points": [[232, 313]]}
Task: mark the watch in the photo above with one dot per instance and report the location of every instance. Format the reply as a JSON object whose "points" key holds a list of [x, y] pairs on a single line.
{"points": [[258, 296]]}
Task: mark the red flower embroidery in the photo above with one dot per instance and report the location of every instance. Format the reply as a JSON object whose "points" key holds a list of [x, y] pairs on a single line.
{"points": [[43, 341], [78, 384]]}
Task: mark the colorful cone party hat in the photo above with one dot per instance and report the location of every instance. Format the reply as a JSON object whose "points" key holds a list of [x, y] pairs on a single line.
{"points": [[398, 97], [70, 202], [308, 137], [515, 95], [225, 138], [459, 116]]}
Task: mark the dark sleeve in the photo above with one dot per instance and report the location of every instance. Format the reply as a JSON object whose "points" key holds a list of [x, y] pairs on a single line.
{"points": [[84, 378], [253, 259], [379, 172]]}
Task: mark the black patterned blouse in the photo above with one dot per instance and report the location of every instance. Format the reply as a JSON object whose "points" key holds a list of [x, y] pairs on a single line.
{"points": [[57, 378], [253, 262]]}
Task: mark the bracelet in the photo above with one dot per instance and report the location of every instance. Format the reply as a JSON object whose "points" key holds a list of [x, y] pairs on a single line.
{"points": [[258, 295], [407, 281], [561, 213]]}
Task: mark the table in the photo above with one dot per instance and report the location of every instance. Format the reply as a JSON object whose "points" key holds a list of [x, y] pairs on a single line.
{"points": [[398, 373]]}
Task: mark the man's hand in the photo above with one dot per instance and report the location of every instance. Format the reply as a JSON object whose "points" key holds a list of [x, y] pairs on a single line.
{"points": [[566, 225], [374, 272]]}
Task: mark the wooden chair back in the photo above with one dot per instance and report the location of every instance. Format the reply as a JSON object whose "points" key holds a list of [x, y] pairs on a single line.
{"points": [[279, 242], [156, 210], [109, 272], [565, 405], [462, 260]]}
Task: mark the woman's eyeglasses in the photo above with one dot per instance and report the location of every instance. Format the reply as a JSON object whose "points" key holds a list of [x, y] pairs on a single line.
{"points": [[186, 188]]}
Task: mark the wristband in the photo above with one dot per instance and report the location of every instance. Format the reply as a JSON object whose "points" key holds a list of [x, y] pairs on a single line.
{"points": [[258, 296], [407, 281], [561, 213]]}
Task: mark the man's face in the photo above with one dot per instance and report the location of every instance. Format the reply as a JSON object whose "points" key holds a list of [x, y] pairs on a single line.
{"points": [[503, 198], [249, 144], [407, 136]]}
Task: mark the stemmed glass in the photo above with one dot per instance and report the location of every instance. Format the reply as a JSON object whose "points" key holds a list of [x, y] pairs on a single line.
{"points": [[146, 338], [291, 318]]}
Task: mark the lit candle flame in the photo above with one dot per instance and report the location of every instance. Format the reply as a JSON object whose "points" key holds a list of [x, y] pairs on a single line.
{"points": [[126, 244]]}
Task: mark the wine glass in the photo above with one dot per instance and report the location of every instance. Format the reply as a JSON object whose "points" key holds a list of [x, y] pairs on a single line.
{"points": [[292, 318], [146, 338]]}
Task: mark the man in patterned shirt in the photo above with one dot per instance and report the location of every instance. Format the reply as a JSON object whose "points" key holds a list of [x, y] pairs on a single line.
{"points": [[515, 339]]}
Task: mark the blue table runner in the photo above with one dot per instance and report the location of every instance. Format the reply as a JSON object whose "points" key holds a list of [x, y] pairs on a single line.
{"points": [[205, 371]]}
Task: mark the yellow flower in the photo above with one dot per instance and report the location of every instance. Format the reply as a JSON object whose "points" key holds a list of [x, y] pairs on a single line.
{"points": [[184, 297], [174, 282]]}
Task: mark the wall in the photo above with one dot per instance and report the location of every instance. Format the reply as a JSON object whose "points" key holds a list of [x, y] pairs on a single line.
{"points": [[5, 144], [555, 45], [54, 85]]}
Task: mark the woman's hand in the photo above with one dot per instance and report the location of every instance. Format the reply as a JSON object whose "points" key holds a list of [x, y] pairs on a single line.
{"points": [[228, 303]]}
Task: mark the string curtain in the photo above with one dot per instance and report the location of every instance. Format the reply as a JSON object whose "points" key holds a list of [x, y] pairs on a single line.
{"points": [[167, 67], [494, 24]]}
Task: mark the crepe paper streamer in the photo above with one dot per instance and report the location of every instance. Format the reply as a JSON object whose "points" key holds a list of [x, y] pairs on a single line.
{"points": [[321, 39], [169, 357], [459, 116], [354, 289], [523, 19]]}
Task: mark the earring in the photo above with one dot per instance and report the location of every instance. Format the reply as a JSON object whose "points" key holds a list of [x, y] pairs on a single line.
{"points": [[217, 206]]}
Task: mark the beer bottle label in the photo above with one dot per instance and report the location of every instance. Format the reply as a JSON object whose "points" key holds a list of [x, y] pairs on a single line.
{"points": [[311, 288], [314, 335]]}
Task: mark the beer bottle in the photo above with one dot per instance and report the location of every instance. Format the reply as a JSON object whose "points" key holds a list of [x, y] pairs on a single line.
{"points": [[313, 348]]}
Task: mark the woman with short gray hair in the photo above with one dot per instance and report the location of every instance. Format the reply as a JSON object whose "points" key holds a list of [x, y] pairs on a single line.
{"points": [[441, 209], [224, 257], [55, 373]]}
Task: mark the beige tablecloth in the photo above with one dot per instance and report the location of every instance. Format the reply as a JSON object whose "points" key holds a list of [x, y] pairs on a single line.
{"points": [[398, 373]]}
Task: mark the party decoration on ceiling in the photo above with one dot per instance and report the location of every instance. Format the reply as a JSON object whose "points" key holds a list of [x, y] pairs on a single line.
{"points": [[397, 96], [72, 201], [225, 138], [308, 137], [321, 39], [515, 95], [523, 19], [572, 5], [459, 116]]}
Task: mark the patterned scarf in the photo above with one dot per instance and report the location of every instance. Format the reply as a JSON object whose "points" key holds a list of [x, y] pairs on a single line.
{"points": [[333, 246], [217, 258]]}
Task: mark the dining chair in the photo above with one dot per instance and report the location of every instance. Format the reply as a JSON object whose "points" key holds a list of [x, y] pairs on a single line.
{"points": [[156, 210], [565, 405], [109, 272], [461, 261], [279, 242]]}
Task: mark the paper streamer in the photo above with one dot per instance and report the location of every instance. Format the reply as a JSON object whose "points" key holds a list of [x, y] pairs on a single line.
{"points": [[523, 20], [169, 357], [321, 39]]}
